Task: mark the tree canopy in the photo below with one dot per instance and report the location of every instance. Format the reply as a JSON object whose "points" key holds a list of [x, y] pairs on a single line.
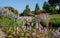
{"points": [[46, 7], [54, 3], [27, 10], [12, 10], [37, 9], [49, 9]]}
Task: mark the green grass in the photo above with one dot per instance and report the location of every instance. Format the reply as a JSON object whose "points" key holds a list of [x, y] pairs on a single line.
{"points": [[55, 16], [7, 21]]}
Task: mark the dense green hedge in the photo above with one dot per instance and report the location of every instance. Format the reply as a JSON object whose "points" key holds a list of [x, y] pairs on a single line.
{"points": [[55, 22]]}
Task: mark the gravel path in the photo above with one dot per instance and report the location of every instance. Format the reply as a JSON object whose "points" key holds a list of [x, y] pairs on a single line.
{"points": [[1, 34]]}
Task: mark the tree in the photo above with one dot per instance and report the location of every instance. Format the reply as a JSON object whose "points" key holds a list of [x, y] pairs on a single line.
{"points": [[37, 9], [54, 3], [46, 7], [12, 9], [27, 11], [9, 8], [53, 10], [49, 9], [15, 12]]}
